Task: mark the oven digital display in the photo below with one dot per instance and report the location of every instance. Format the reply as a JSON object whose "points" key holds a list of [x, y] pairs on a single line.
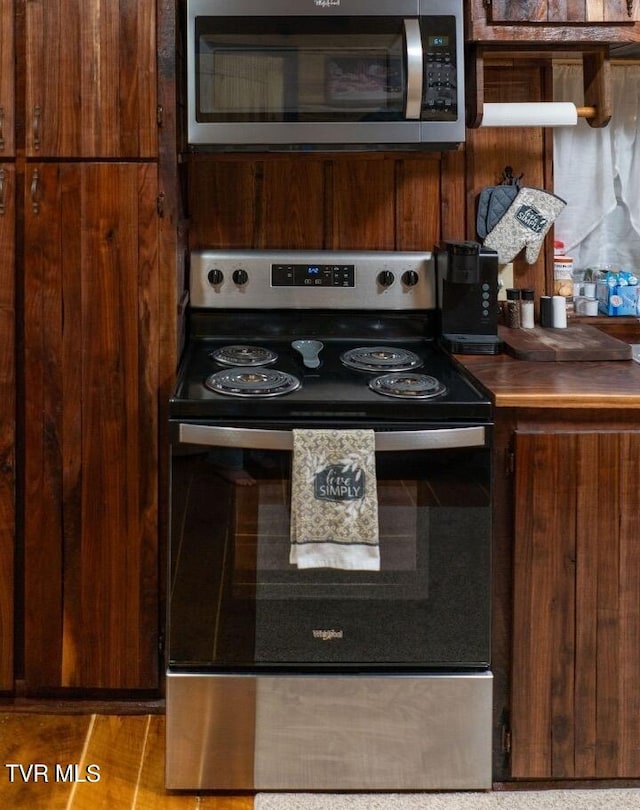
{"points": [[313, 275]]}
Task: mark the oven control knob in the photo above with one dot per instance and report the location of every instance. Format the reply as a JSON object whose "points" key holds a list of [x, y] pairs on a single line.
{"points": [[410, 278], [240, 277], [386, 278], [215, 277]]}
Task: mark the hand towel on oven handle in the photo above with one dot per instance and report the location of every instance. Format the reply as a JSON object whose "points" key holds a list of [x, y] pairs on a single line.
{"points": [[334, 500]]}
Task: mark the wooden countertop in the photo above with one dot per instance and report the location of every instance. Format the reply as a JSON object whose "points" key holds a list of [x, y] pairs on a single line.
{"points": [[565, 384]]}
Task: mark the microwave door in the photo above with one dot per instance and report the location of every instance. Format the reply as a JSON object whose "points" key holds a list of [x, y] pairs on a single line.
{"points": [[305, 81]]}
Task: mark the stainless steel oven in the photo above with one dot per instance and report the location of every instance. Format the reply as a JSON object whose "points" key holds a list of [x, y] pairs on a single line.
{"points": [[324, 73], [282, 677]]}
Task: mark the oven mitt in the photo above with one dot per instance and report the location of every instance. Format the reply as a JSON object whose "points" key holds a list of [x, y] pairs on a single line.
{"points": [[524, 225], [493, 204]]}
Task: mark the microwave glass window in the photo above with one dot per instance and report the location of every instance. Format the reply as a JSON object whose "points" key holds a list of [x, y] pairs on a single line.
{"points": [[273, 70]]}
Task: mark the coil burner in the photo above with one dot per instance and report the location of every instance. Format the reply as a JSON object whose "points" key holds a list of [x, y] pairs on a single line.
{"points": [[241, 355], [252, 382], [408, 386], [380, 358]]}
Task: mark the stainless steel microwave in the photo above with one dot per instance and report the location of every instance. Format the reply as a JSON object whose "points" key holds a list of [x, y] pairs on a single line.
{"points": [[325, 74]]}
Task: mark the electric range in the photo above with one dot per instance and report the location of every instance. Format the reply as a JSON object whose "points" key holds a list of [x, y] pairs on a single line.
{"points": [[282, 677]]}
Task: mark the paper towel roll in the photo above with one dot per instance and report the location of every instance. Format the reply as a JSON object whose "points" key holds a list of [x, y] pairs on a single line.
{"points": [[530, 114]]}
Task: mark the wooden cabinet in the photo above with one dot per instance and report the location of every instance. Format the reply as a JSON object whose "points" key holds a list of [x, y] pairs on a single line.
{"points": [[7, 421], [91, 338], [97, 263], [7, 84], [578, 11], [494, 21], [575, 691], [90, 78], [7, 342]]}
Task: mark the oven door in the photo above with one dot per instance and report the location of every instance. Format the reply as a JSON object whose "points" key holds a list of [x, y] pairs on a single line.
{"points": [[236, 602]]}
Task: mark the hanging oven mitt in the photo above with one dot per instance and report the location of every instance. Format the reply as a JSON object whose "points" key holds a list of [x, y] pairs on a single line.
{"points": [[524, 225], [493, 204]]}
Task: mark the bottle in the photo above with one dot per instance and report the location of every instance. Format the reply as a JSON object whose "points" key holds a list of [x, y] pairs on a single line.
{"points": [[559, 306], [526, 309], [546, 311], [563, 276], [513, 308]]}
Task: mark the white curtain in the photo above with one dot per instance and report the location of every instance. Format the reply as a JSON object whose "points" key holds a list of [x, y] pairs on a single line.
{"points": [[597, 172]]}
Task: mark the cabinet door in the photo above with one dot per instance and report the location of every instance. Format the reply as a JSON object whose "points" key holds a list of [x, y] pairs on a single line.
{"points": [[7, 421], [576, 635], [7, 88], [91, 78], [576, 11], [91, 426]]}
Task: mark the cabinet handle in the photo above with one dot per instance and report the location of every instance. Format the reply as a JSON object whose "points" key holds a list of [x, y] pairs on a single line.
{"points": [[35, 192], [630, 8], [3, 187], [37, 114], [1, 129]]}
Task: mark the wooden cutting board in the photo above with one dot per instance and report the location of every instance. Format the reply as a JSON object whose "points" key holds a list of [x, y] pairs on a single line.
{"points": [[576, 342]]}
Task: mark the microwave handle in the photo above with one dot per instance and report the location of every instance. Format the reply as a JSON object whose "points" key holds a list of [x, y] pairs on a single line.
{"points": [[413, 41], [387, 441]]}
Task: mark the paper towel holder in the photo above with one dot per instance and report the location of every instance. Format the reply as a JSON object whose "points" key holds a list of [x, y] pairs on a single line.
{"points": [[596, 77]]}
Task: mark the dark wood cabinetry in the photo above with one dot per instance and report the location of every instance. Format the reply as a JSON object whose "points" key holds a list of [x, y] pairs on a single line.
{"points": [[97, 271], [566, 626], [573, 11], [91, 425], [7, 85], [547, 21], [7, 420], [566, 578], [90, 79], [7, 340], [576, 621]]}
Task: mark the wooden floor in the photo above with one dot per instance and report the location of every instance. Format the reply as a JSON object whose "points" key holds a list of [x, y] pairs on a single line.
{"points": [[128, 751]]}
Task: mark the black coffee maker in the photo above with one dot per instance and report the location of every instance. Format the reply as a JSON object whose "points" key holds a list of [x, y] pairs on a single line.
{"points": [[467, 283]]}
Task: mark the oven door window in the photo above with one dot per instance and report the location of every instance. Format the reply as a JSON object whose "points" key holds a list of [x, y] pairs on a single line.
{"points": [[236, 601], [299, 69]]}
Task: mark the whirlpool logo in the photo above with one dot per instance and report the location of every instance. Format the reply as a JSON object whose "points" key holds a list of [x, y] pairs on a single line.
{"points": [[326, 3], [327, 635]]}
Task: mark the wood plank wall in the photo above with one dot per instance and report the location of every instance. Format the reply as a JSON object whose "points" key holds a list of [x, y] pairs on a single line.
{"points": [[378, 201]]}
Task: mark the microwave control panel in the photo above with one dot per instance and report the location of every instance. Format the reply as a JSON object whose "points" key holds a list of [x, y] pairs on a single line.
{"points": [[440, 81]]}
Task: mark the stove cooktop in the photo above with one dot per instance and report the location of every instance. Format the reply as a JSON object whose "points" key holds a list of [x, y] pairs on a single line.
{"points": [[351, 301], [332, 390]]}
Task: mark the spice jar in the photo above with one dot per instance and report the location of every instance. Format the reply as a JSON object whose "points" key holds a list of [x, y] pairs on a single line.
{"points": [[563, 276], [513, 308], [526, 309]]}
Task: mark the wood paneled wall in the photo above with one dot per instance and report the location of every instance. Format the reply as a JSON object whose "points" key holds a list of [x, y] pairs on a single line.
{"points": [[380, 201], [528, 150], [377, 201]]}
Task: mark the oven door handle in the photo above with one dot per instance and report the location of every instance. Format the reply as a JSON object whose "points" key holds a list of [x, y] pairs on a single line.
{"points": [[387, 441]]}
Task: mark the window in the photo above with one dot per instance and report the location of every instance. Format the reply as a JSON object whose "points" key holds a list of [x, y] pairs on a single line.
{"points": [[594, 171]]}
